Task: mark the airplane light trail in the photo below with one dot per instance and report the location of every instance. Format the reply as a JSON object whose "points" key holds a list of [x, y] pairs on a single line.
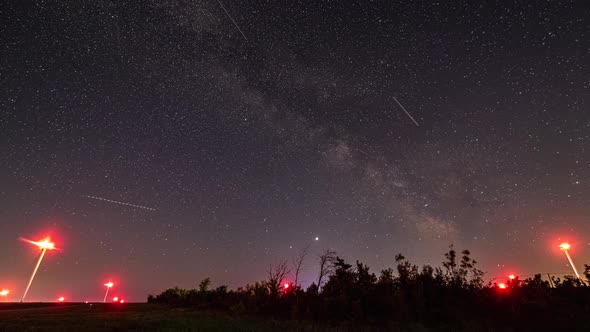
{"points": [[228, 15], [408, 113], [120, 203]]}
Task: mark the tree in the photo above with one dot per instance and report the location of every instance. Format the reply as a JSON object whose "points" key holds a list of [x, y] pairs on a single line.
{"points": [[221, 289], [341, 268], [204, 285], [386, 276], [476, 280], [275, 276], [298, 263], [364, 278], [327, 260], [342, 281], [401, 299], [450, 265], [406, 271]]}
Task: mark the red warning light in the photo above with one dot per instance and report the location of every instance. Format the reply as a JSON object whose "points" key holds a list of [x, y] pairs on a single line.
{"points": [[502, 285], [286, 286], [512, 277], [61, 299], [115, 299], [122, 301]]}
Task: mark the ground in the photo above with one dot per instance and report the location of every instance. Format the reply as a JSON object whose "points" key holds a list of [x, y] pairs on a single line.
{"points": [[114, 317], [132, 317]]}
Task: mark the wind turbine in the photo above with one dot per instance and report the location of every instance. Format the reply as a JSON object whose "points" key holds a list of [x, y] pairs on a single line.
{"points": [[4, 293], [109, 285], [44, 245], [565, 247]]}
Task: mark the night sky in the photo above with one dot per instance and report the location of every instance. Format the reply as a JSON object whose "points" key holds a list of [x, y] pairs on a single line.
{"points": [[248, 146]]}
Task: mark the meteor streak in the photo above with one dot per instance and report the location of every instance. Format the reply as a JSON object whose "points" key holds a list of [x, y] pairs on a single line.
{"points": [[407, 113], [120, 203], [226, 13], [363, 152]]}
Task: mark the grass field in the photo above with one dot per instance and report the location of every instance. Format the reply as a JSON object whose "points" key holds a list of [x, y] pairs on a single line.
{"points": [[134, 317], [118, 317]]}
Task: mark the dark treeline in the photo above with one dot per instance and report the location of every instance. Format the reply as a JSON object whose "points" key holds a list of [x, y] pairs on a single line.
{"points": [[453, 296]]}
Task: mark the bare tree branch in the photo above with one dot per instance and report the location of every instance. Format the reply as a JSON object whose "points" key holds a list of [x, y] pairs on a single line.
{"points": [[276, 274], [298, 263], [327, 260]]}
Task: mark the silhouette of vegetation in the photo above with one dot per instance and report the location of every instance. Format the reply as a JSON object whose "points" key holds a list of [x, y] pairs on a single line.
{"points": [[298, 263], [453, 296], [326, 260]]}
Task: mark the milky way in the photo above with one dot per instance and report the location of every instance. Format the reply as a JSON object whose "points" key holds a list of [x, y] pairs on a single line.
{"points": [[250, 148]]}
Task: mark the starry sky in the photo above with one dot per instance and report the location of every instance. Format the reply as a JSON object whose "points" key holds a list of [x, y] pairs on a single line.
{"points": [[253, 140]]}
